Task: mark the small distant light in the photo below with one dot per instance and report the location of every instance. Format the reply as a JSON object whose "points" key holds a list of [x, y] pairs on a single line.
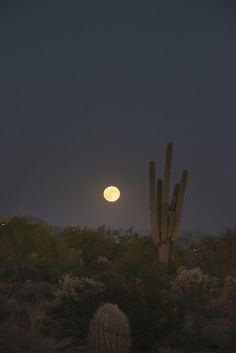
{"points": [[195, 250], [3, 224]]}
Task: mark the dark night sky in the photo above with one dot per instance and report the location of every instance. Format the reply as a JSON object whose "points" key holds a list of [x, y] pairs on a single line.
{"points": [[93, 90]]}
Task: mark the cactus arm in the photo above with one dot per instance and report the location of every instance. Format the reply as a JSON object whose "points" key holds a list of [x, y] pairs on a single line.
{"points": [[167, 174], [159, 201], [171, 224], [174, 198], [153, 202], [179, 205], [164, 221], [165, 193]]}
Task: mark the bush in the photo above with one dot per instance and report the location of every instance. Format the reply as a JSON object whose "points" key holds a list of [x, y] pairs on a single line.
{"points": [[75, 301], [75, 289], [26, 250], [14, 339], [192, 305], [138, 286], [91, 243], [221, 327]]}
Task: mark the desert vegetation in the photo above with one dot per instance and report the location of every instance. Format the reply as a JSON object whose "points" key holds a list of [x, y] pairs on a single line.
{"points": [[52, 284]]}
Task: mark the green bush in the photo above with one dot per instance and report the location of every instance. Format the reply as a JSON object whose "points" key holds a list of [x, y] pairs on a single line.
{"points": [[26, 250], [91, 243], [75, 300]]}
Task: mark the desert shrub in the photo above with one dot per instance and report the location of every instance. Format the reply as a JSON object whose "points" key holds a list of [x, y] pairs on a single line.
{"points": [[34, 292], [184, 254], [194, 283], [91, 243], [225, 261], [26, 250], [150, 310], [138, 259], [69, 260], [27, 291], [192, 305], [194, 291], [75, 289], [15, 339], [138, 286], [24, 302], [214, 254], [76, 299], [220, 329]]}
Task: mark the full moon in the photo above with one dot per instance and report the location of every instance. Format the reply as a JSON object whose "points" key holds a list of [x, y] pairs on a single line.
{"points": [[111, 193]]}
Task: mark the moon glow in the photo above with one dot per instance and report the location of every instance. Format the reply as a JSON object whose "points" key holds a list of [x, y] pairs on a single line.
{"points": [[111, 193]]}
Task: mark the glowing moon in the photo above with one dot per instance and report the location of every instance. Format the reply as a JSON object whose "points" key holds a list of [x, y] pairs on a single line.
{"points": [[111, 193]]}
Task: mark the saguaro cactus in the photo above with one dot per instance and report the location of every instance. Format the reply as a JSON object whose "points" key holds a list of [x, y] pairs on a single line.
{"points": [[109, 331], [165, 214]]}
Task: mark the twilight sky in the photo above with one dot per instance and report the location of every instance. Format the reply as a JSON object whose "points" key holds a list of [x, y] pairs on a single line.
{"points": [[91, 91]]}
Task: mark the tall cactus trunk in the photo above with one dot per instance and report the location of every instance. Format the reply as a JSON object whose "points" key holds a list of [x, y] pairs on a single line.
{"points": [[165, 213], [164, 250]]}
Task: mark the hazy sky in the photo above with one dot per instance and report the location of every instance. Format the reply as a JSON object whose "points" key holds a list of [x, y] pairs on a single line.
{"points": [[91, 91]]}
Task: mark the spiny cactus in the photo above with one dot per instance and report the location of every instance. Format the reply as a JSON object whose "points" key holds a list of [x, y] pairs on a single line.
{"points": [[109, 331], [165, 214]]}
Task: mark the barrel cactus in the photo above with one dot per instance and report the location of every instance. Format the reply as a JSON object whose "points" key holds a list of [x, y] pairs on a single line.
{"points": [[109, 331]]}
